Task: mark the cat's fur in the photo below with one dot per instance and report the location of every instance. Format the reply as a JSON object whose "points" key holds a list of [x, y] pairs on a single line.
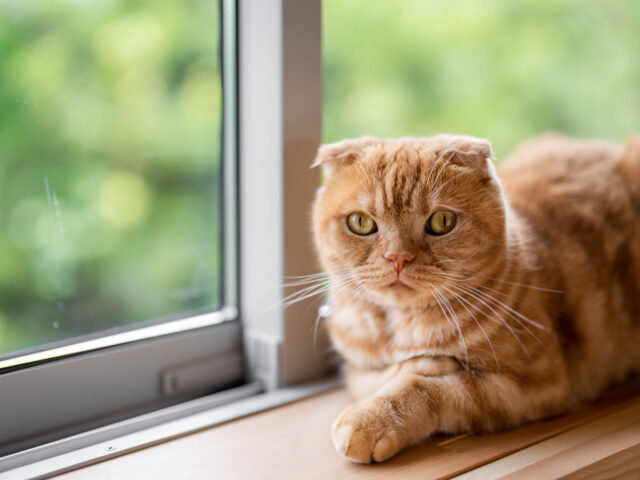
{"points": [[530, 304]]}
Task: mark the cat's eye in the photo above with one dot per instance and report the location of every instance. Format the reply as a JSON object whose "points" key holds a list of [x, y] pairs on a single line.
{"points": [[441, 222], [361, 224]]}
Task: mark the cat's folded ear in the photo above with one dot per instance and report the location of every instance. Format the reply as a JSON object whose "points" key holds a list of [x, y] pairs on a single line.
{"points": [[343, 153], [470, 152]]}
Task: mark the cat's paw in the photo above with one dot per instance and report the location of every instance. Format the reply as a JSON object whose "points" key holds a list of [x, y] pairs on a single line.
{"points": [[363, 433]]}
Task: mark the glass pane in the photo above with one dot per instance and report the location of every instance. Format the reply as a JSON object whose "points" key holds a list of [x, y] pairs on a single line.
{"points": [[110, 128], [498, 69]]}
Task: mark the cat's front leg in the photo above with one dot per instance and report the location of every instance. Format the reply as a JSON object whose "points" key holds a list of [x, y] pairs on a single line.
{"points": [[362, 382], [412, 406]]}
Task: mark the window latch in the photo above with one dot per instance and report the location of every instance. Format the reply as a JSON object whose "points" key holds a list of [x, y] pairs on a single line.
{"points": [[201, 374]]}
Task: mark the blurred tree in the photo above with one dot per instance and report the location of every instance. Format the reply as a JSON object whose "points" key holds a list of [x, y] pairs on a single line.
{"points": [[110, 118], [497, 69]]}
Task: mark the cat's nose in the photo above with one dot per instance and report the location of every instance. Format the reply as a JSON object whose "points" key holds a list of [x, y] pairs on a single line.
{"points": [[399, 259]]}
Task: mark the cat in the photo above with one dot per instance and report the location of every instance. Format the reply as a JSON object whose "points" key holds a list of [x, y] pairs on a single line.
{"points": [[467, 300]]}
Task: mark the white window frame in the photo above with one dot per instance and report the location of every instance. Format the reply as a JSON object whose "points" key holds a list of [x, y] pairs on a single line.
{"points": [[280, 132], [279, 85]]}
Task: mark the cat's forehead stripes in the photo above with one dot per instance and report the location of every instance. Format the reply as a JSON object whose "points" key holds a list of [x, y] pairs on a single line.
{"points": [[396, 183]]}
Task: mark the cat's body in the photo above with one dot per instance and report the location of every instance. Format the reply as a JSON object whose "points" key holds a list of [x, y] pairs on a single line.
{"points": [[529, 304]]}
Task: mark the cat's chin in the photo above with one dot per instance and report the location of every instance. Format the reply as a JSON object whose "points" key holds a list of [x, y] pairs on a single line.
{"points": [[399, 285], [396, 293]]}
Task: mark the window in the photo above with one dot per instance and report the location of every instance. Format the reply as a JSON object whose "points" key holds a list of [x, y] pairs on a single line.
{"points": [[112, 218], [111, 156]]}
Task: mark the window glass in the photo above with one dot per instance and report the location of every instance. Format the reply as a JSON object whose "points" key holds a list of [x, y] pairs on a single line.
{"points": [[110, 129], [502, 70]]}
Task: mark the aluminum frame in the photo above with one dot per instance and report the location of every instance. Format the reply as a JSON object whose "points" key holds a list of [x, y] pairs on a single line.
{"points": [[280, 92]]}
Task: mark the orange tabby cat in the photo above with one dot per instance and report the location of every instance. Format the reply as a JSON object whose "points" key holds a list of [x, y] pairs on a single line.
{"points": [[467, 301]]}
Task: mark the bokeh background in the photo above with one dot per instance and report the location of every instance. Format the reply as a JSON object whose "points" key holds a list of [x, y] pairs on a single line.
{"points": [[110, 117], [500, 69]]}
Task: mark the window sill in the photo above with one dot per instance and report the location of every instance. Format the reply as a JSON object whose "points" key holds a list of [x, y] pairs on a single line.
{"points": [[151, 429], [294, 442]]}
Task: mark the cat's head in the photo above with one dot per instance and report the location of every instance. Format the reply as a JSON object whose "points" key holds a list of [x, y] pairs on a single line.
{"points": [[396, 219]]}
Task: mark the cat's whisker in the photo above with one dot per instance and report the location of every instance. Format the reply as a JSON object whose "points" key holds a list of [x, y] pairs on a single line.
{"points": [[435, 297], [340, 289], [301, 298], [360, 292], [511, 309], [436, 178], [313, 278], [508, 310], [455, 261], [498, 317], [433, 166], [307, 289], [322, 286], [296, 283], [460, 299], [470, 275], [310, 275], [306, 278], [302, 284], [319, 317], [524, 241], [338, 271], [444, 161], [304, 297], [316, 325], [454, 318], [438, 301], [436, 192], [511, 297]]}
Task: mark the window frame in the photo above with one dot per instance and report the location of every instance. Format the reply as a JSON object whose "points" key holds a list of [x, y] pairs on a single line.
{"points": [[280, 123]]}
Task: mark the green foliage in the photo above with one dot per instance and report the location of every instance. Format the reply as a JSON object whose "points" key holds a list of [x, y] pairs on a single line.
{"points": [[110, 116], [498, 69]]}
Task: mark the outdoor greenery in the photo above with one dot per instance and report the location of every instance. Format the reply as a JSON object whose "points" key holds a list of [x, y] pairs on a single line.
{"points": [[501, 69], [110, 116]]}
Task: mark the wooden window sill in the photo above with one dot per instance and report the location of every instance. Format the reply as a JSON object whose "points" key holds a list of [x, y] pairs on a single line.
{"points": [[293, 441]]}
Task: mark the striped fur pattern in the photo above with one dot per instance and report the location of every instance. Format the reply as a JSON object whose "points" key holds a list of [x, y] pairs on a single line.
{"points": [[529, 305]]}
